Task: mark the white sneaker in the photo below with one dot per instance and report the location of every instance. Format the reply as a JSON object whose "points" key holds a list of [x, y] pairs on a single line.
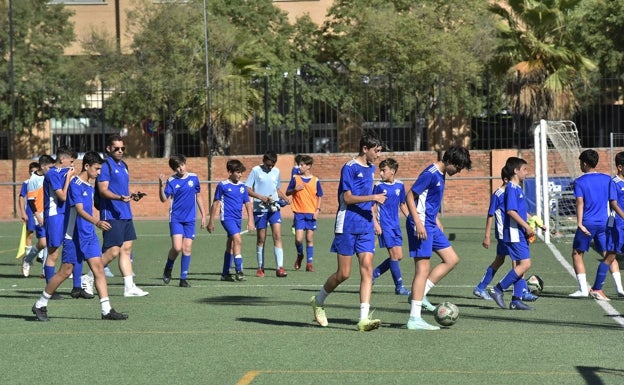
{"points": [[578, 294], [134, 291], [26, 268], [108, 273], [86, 283]]}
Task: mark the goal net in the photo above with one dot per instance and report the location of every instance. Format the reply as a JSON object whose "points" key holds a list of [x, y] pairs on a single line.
{"points": [[557, 149]]}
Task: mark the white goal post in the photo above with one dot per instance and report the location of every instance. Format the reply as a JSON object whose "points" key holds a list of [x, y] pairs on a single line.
{"points": [[553, 202]]}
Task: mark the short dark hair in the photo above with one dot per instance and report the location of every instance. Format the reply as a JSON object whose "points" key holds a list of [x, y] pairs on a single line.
{"points": [[590, 157], [176, 160], [369, 141], [619, 159], [505, 174], [390, 163], [234, 165], [298, 158], [459, 157], [45, 160], [65, 152], [113, 138], [306, 159], [269, 155], [90, 158], [34, 165], [513, 163]]}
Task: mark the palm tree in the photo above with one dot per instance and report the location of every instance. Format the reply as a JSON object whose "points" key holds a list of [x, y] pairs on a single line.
{"points": [[537, 49]]}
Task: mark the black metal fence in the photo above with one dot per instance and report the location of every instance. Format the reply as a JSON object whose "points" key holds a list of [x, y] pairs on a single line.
{"points": [[297, 114]]}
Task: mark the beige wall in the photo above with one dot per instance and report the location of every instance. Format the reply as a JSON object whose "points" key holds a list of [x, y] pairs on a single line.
{"points": [[101, 17]]}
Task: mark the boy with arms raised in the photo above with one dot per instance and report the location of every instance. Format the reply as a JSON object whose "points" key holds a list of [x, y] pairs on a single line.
{"points": [[231, 197], [354, 232], [425, 234], [184, 190], [80, 240]]}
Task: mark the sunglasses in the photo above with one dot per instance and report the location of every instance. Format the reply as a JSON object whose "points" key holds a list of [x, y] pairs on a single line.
{"points": [[115, 149]]}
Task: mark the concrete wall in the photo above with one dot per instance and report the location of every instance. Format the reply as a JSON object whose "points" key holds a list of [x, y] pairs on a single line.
{"points": [[466, 194]]}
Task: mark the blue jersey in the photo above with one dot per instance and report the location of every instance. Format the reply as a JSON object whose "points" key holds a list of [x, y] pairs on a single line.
{"points": [[118, 180], [355, 218], [233, 197], [514, 200], [497, 211], [596, 189], [76, 227], [619, 188], [183, 192], [53, 180], [24, 193], [263, 183], [295, 171], [388, 213], [429, 188]]}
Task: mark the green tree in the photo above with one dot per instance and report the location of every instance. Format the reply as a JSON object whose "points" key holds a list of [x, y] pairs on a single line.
{"points": [[46, 83], [538, 52]]}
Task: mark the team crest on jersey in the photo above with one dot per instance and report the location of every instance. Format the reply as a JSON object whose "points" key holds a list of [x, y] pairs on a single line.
{"points": [[190, 183], [397, 192], [242, 189]]}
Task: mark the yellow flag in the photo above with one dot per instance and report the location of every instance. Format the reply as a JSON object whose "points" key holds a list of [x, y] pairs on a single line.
{"points": [[21, 249]]}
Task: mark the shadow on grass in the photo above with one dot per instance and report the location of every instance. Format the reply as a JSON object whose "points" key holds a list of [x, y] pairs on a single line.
{"points": [[334, 322], [592, 374]]}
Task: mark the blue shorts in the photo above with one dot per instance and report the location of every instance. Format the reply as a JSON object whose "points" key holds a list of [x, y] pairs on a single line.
{"points": [[390, 238], [30, 223], [303, 221], [232, 227], [614, 239], [518, 250], [89, 248], [598, 234], [40, 231], [349, 244], [186, 229], [54, 230], [501, 248], [262, 218], [122, 230], [424, 248]]}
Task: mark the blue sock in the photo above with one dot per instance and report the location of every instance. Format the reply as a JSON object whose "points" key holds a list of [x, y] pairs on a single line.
{"points": [[49, 272], [227, 262], [310, 253], [382, 268], [299, 247], [520, 287], [601, 276], [185, 263], [238, 262], [77, 274], [396, 274], [509, 279], [169, 264], [487, 278]]}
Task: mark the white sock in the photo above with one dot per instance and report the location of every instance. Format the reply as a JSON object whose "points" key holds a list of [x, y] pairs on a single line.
{"points": [[428, 286], [128, 282], [617, 279], [43, 300], [279, 257], [321, 296], [260, 256], [106, 306], [582, 281], [416, 309], [364, 310]]}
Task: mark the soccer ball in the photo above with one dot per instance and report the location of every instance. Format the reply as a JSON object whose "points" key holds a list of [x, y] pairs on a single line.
{"points": [[535, 284], [446, 314]]}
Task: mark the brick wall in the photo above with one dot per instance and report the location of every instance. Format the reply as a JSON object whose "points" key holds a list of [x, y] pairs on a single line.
{"points": [[466, 194]]}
